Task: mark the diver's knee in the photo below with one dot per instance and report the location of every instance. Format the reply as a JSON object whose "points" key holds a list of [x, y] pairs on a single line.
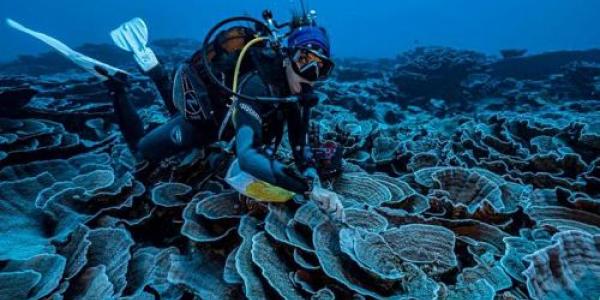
{"points": [[164, 142]]}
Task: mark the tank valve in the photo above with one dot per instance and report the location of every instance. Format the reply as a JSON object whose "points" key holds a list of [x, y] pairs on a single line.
{"points": [[275, 38]]}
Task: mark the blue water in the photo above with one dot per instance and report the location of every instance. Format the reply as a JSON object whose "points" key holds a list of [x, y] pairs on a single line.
{"points": [[358, 28]]}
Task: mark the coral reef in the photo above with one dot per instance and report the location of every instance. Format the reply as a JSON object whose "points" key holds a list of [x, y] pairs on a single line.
{"points": [[459, 181]]}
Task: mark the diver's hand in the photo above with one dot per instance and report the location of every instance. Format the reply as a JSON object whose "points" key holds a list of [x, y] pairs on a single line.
{"points": [[328, 201], [312, 176]]}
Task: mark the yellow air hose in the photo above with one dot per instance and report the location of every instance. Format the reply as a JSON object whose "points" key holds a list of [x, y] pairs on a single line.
{"points": [[236, 77], [238, 65]]}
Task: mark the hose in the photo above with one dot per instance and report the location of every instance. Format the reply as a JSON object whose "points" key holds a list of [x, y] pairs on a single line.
{"points": [[238, 65], [261, 27], [236, 77]]}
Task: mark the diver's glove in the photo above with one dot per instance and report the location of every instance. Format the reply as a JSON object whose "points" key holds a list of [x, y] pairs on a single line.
{"points": [[328, 201], [132, 36], [312, 177]]}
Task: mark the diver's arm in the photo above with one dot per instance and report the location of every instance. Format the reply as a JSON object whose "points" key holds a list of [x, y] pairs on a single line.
{"points": [[298, 137], [255, 162], [265, 168], [249, 144]]}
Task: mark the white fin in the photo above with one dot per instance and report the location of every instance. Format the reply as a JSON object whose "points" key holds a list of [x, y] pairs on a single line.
{"points": [[132, 36], [85, 62]]}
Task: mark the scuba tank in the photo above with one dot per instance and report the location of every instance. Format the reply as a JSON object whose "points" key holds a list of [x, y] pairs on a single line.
{"points": [[224, 58], [222, 54]]}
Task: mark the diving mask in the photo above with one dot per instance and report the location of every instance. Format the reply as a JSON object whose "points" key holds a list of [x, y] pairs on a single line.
{"points": [[311, 64]]}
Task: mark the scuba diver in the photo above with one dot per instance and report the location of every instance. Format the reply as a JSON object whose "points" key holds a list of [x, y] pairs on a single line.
{"points": [[275, 89]]}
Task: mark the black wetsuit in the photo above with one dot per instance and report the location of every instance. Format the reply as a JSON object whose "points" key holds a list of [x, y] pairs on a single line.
{"points": [[259, 127], [176, 135]]}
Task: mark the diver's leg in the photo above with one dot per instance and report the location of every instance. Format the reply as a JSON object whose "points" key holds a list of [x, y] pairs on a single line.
{"points": [[166, 140], [171, 138], [164, 83], [129, 121]]}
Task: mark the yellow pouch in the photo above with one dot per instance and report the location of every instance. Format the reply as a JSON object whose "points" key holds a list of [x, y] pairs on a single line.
{"points": [[254, 188]]}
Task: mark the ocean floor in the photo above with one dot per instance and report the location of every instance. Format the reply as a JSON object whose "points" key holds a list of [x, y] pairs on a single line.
{"points": [[465, 177]]}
